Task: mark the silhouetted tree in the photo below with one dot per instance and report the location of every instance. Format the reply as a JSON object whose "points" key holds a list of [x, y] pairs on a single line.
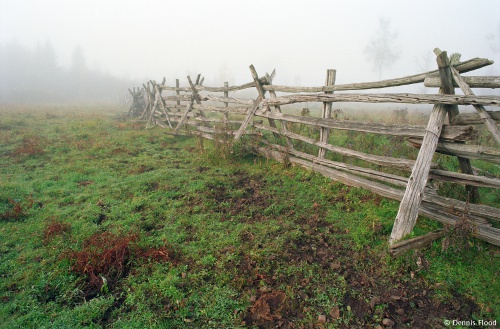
{"points": [[381, 49], [33, 75], [16, 64]]}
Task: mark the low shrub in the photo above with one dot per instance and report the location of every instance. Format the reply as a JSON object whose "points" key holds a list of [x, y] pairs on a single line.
{"points": [[103, 260], [107, 257], [54, 228]]}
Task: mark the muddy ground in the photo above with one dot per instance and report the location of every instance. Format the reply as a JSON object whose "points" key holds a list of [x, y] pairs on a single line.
{"points": [[373, 297]]}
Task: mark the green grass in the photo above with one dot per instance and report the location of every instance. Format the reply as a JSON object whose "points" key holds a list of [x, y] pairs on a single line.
{"points": [[222, 240]]}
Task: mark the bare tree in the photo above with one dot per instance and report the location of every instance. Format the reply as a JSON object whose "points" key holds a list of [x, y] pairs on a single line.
{"points": [[381, 49]]}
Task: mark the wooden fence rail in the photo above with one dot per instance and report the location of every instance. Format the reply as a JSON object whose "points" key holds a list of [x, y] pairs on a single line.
{"points": [[410, 181]]}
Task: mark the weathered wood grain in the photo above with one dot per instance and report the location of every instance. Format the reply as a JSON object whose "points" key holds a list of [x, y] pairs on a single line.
{"points": [[261, 92], [488, 121], [369, 173], [277, 109], [435, 174], [464, 119], [477, 152], [208, 108], [255, 106], [448, 133], [466, 179], [409, 206], [164, 106], [177, 92], [447, 77], [471, 81], [385, 98], [463, 67], [419, 242], [213, 120], [397, 163], [453, 206], [326, 112], [226, 104], [248, 85], [249, 117], [211, 98]]}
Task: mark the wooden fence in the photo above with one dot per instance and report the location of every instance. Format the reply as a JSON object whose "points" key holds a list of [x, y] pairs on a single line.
{"points": [[210, 113]]}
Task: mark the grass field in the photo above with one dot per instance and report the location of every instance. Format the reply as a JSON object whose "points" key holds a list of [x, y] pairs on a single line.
{"points": [[104, 224]]}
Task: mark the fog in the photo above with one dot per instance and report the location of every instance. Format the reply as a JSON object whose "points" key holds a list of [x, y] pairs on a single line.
{"points": [[112, 45]]}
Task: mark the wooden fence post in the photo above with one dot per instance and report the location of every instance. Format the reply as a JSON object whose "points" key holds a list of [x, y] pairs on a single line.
{"points": [[447, 87], [155, 104], [138, 101], [195, 92], [164, 106], [272, 93], [255, 105], [262, 92], [149, 100], [327, 112], [409, 206], [226, 95], [177, 93], [483, 114], [189, 108]]}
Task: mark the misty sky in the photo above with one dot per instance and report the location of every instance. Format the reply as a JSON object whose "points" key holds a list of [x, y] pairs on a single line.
{"points": [[300, 39]]}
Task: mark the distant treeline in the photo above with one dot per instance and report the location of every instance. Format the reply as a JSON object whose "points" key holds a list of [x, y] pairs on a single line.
{"points": [[33, 75]]}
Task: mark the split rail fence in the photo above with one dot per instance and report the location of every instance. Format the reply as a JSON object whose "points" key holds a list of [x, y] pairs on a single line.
{"points": [[210, 113]]}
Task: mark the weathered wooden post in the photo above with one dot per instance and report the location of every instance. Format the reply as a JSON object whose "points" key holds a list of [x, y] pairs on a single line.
{"points": [[408, 208], [199, 82], [448, 88], [137, 101], [272, 93], [483, 114], [255, 105], [262, 93], [327, 112], [149, 100], [154, 95], [226, 95], [189, 107], [164, 106], [465, 165], [177, 93]]}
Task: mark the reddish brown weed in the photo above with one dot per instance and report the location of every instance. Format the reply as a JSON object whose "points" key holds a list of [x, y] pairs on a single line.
{"points": [[107, 257], [54, 228], [104, 259], [30, 146], [18, 209], [157, 254]]}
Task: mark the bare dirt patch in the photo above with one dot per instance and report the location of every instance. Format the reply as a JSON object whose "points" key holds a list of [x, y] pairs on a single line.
{"points": [[372, 296], [247, 203]]}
